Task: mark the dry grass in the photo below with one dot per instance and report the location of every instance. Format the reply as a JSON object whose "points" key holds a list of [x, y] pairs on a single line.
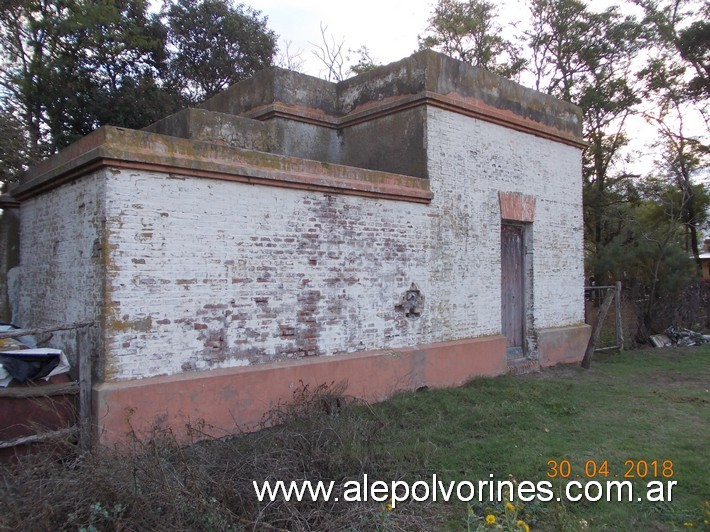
{"points": [[160, 485], [649, 405]]}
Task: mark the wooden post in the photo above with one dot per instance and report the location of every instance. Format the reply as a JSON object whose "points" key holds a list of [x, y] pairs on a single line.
{"points": [[587, 360], [83, 353], [16, 442], [16, 333], [619, 322]]}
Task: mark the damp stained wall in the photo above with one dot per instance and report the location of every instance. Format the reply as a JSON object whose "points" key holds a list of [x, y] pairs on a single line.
{"points": [[287, 218]]}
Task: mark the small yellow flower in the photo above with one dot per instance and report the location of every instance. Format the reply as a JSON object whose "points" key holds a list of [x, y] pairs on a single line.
{"points": [[390, 506], [522, 524], [510, 506], [490, 519], [688, 524]]}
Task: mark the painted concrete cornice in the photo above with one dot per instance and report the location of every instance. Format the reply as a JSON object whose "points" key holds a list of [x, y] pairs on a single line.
{"points": [[282, 128], [457, 103], [141, 150]]}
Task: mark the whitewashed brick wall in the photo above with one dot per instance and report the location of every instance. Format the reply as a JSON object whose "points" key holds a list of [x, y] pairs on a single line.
{"points": [[469, 162], [62, 257], [204, 274], [210, 274]]}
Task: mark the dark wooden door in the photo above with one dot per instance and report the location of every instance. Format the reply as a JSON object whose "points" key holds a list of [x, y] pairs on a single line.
{"points": [[512, 288]]}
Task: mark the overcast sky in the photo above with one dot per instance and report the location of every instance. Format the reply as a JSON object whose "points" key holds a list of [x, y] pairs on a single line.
{"points": [[389, 28]]}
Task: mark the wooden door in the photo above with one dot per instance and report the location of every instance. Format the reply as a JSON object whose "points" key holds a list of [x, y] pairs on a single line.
{"points": [[513, 288]]}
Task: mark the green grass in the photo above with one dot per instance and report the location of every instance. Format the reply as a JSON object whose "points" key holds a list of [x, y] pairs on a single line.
{"points": [[647, 405], [641, 405]]}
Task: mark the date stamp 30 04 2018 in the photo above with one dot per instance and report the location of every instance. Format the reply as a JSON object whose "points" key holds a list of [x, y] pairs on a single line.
{"points": [[632, 469]]}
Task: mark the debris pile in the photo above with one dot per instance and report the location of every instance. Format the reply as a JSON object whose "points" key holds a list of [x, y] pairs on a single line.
{"points": [[21, 360], [679, 337]]}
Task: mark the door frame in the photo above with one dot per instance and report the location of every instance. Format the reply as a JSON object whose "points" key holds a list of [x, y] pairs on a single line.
{"points": [[522, 351]]}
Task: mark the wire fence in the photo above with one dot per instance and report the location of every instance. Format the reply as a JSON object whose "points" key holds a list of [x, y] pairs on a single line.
{"points": [[634, 316], [611, 336]]}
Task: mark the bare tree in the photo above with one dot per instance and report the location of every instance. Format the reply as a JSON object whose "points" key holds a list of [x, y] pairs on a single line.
{"points": [[330, 53], [290, 59], [341, 62]]}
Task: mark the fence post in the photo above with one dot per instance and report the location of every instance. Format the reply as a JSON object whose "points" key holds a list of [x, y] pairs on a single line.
{"points": [[619, 323], [83, 350]]}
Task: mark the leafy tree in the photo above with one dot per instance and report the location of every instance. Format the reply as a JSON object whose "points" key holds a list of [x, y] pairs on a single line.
{"points": [[31, 40], [679, 34], [13, 147], [69, 66], [648, 253], [365, 61], [74, 65], [677, 80], [586, 58], [694, 47], [138, 102], [570, 43], [215, 44], [468, 31], [113, 55], [683, 158]]}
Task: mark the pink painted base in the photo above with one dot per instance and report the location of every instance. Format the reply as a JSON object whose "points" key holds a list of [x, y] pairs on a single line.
{"points": [[225, 401], [222, 402]]}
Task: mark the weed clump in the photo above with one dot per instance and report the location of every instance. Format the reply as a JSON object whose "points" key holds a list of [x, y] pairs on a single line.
{"points": [[322, 435]]}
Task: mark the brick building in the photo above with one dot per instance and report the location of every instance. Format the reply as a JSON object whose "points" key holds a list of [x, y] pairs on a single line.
{"points": [[416, 225]]}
